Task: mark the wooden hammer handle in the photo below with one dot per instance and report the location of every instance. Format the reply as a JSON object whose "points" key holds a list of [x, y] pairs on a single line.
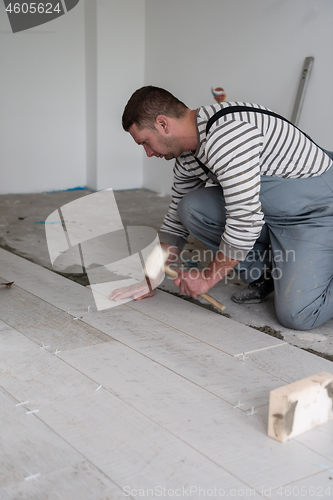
{"points": [[215, 303], [212, 301]]}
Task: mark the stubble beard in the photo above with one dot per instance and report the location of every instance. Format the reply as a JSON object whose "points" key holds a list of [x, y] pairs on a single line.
{"points": [[174, 149]]}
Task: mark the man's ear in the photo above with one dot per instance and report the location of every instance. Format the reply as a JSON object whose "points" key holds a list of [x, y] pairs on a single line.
{"points": [[162, 124]]}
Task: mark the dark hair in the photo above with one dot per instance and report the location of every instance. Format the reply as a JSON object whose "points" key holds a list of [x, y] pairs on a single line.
{"points": [[147, 103]]}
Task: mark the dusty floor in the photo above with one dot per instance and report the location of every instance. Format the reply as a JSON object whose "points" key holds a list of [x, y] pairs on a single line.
{"points": [[22, 231]]}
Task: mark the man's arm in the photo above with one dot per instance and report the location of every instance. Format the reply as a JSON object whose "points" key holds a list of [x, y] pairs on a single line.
{"points": [[202, 282], [187, 178], [236, 163]]}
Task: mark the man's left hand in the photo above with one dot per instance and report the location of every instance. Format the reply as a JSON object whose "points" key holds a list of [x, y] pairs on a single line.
{"points": [[193, 283]]}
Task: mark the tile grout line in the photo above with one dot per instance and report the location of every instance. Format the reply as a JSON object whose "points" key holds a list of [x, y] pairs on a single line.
{"points": [[119, 397], [148, 315], [299, 480], [152, 420], [51, 273], [112, 339], [163, 365], [154, 319], [132, 349], [200, 340], [153, 361], [262, 349], [159, 425], [69, 444]]}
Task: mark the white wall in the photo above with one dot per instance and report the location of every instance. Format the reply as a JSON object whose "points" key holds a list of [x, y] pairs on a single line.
{"points": [[120, 70], [254, 49], [64, 85], [42, 105], [91, 92]]}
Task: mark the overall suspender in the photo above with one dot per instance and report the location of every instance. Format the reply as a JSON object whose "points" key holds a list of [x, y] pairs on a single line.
{"points": [[235, 109]]}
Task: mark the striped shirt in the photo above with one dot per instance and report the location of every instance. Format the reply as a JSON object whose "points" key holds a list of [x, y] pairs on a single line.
{"points": [[238, 149]]}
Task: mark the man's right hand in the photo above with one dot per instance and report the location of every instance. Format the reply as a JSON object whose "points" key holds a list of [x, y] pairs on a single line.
{"points": [[140, 290], [137, 292]]}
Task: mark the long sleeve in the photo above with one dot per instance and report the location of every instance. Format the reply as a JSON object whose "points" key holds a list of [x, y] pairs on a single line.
{"points": [[188, 176], [232, 153]]}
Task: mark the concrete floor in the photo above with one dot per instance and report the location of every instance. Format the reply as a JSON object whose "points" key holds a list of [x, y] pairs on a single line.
{"points": [[22, 232]]}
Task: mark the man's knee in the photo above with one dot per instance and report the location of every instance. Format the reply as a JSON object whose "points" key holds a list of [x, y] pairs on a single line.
{"points": [[183, 209], [290, 318]]}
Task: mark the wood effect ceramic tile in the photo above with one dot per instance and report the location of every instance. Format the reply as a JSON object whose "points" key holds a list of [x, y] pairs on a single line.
{"points": [[43, 283], [156, 391], [192, 358], [319, 440], [81, 481], [31, 373], [43, 322], [224, 434], [4, 326], [164, 344], [130, 448], [186, 355], [28, 446], [211, 368], [243, 449], [201, 363], [261, 413], [316, 486], [289, 363], [212, 328]]}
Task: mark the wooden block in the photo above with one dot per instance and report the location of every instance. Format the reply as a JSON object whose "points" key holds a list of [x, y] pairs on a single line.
{"points": [[300, 406]]}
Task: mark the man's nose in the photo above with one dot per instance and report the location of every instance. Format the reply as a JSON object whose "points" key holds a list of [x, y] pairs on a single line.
{"points": [[149, 152]]}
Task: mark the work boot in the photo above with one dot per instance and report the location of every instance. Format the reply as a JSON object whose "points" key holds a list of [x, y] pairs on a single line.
{"points": [[256, 292]]}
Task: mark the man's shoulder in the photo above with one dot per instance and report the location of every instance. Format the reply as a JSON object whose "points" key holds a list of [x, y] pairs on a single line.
{"points": [[206, 112]]}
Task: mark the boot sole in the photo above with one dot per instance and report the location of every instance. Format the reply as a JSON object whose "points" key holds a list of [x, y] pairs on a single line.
{"points": [[250, 301]]}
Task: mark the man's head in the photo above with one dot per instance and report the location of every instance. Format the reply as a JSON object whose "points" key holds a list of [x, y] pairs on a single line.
{"points": [[147, 103], [159, 122]]}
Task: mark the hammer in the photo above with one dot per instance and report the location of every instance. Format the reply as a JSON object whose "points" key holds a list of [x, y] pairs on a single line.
{"points": [[156, 262]]}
